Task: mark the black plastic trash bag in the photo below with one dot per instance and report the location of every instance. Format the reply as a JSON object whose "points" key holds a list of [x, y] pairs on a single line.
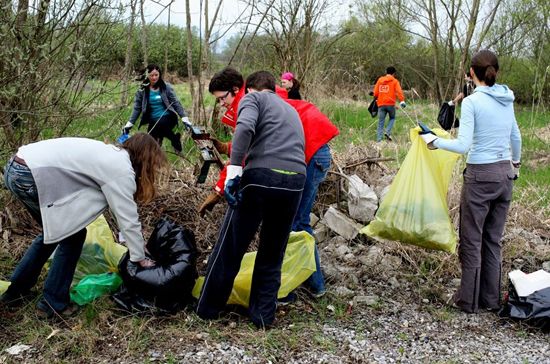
{"points": [[167, 286], [446, 117], [373, 108], [534, 309]]}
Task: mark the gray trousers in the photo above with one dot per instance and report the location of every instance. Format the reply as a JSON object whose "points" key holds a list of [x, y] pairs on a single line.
{"points": [[484, 204]]}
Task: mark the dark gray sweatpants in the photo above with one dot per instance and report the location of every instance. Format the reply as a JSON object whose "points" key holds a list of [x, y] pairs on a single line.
{"points": [[484, 204]]}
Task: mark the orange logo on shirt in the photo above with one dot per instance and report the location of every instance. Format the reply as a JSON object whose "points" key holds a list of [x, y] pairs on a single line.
{"points": [[384, 88]]}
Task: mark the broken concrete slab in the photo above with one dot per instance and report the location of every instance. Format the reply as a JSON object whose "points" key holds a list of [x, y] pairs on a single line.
{"points": [[341, 224]]}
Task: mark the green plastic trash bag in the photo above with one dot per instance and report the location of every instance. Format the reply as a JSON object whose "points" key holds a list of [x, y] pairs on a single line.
{"points": [[100, 253], [414, 211], [298, 265], [93, 286], [4, 286]]}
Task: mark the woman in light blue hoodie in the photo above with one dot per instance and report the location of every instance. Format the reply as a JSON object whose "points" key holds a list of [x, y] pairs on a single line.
{"points": [[490, 135]]}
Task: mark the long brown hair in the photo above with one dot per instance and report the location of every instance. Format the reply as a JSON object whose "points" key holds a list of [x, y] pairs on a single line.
{"points": [[485, 66], [147, 160]]}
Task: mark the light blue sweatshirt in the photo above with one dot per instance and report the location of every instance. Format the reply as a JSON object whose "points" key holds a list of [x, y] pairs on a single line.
{"points": [[488, 128]]}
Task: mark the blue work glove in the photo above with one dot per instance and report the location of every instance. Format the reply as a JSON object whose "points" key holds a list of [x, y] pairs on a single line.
{"points": [[232, 193], [402, 104], [427, 135]]}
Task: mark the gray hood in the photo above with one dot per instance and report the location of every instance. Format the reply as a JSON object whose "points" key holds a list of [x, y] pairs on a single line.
{"points": [[500, 93]]}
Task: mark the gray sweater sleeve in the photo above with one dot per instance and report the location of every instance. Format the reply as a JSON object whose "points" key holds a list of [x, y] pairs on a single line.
{"points": [[249, 111], [120, 197], [137, 107]]}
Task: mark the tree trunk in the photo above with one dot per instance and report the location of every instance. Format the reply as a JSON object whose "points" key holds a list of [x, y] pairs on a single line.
{"points": [[167, 40], [128, 57], [189, 51], [143, 35]]}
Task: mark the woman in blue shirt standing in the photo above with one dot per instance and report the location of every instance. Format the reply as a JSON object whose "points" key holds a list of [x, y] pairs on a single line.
{"points": [[490, 135], [156, 101]]}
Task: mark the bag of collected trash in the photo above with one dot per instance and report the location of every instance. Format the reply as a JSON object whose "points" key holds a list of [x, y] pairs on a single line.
{"points": [[93, 286], [100, 253], [167, 286], [414, 211], [446, 117], [298, 265], [373, 108], [528, 298], [4, 286]]}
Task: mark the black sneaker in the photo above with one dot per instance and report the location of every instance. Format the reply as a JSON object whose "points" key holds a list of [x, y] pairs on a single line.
{"points": [[285, 301], [388, 137]]}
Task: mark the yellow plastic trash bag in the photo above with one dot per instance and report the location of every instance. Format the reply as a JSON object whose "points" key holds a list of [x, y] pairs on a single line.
{"points": [[298, 265], [100, 253], [4, 286], [414, 211]]}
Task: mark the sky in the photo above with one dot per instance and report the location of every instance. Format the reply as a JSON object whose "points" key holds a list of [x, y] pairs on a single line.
{"points": [[230, 10]]}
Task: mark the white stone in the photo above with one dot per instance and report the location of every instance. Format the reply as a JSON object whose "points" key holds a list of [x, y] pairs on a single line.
{"points": [[366, 300], [343, 291], [374, 256], [362, 200], [343, 250], [313, 219], [320, 232], [341, 224]]}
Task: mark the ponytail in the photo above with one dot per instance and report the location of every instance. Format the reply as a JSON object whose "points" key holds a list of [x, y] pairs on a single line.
{"points": [[490, 75], [485, 66]]}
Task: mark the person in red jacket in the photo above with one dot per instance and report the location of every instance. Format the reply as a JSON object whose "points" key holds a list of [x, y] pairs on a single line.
{"points": [[385, 91], [228, 88]]}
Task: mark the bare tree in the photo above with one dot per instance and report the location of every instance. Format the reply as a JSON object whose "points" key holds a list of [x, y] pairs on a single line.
{"points": [[60, 36], [128, 56], [143, 34]]}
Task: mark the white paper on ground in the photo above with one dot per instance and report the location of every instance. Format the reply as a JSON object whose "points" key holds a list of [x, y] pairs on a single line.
{"points": [[525, 284]]}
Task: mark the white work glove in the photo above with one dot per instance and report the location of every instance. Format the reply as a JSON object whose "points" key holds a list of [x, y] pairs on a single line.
{"points": [[127, 127], [427, 135], [402, 104], [186, 122], [428, 138], [232, 172], [516, 165]]}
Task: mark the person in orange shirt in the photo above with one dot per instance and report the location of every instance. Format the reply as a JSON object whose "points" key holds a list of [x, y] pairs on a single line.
{"points": [[385, 91]]}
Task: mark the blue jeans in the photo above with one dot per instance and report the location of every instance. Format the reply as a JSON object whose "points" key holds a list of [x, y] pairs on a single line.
{"points": [[316, 172], [19, 181], [382, 111]]}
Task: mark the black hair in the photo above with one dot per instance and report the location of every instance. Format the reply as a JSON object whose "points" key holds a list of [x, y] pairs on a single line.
{"points": [[390, 70], [145, 83], [261, 80], [485, 66], [295, 84], [226, 80]]}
